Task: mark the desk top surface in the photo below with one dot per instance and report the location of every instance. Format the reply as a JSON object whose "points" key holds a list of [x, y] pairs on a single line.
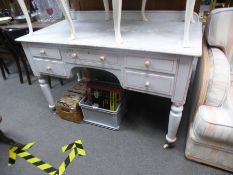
{"points": [[161, 34]]}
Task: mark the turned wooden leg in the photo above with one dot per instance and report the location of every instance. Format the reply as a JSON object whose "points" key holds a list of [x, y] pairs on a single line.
{"points": [[49, 82], [17, 61], [188, 17], [5, 67], [174, 122], [106, 7], [61, 81], [144, 18], [2, 69], [47, 92], [117, 8], [26, 70], [66, 12]]}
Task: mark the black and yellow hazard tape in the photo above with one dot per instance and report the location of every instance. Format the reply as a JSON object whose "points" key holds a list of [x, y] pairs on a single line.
{"points": [[37, 162], [76, 147], [13, 152], [21, 152], [77, 144]]}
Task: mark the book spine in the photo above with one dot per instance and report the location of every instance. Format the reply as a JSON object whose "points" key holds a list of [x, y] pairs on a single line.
{"points": [[111, 101]]}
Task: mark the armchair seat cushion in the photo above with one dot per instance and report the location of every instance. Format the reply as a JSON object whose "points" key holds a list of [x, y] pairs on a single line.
{"points": [[219, 81], [215, 124]]}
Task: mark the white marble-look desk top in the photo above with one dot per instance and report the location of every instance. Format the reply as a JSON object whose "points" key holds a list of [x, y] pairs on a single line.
{"points": [[163, 33]]}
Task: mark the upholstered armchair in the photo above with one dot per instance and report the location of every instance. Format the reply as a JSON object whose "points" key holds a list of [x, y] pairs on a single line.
{"points": [[210, 137]]}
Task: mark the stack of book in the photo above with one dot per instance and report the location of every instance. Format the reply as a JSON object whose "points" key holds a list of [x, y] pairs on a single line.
{"points": [[104, 95]]}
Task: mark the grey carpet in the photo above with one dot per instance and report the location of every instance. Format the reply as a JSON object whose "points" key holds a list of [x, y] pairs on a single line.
{"points": [[137, 149]]}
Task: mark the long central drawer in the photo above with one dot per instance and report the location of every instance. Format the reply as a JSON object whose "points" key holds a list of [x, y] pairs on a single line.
{"points": [[90, 57], [151, 82]]}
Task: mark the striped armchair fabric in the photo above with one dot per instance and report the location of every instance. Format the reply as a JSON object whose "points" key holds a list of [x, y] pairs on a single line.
{"points": [[210, 138]]}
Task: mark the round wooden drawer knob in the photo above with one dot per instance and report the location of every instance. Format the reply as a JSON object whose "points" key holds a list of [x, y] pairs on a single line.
{"points": [[147, 84], [147, 63], [102, 58], [74, 55], [48, 68], [42, 52]]}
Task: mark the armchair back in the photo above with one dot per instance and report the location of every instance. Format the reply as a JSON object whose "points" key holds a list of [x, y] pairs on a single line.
{"points": [[219, 30]]}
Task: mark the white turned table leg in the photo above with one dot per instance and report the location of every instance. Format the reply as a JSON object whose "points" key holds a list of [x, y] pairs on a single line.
{"points": [[47, 92], [66, 12], [192, 6], [25, 12], [188, 17], [106, 7], [144, 18], [174, 122], [117, 8]]}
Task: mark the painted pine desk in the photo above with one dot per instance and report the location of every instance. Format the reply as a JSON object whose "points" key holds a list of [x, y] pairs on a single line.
{"points": [[151, 60]]}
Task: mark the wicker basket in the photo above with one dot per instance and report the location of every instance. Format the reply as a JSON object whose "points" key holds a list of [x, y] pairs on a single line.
{"points": [[68, 106]]}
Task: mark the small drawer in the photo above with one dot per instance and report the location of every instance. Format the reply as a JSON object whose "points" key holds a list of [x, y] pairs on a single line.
{"points": [[45, 52], [50, 67], [154, 63], [154, 83]]}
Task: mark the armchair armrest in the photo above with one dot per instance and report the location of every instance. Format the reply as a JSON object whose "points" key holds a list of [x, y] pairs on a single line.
{"points": [[219, 80]]}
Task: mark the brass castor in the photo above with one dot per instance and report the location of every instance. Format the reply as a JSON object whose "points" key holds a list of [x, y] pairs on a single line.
{"points": [[168, 145]]}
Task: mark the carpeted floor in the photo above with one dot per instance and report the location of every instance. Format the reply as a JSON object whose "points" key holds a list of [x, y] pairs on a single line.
{"points": [[137, 149]]}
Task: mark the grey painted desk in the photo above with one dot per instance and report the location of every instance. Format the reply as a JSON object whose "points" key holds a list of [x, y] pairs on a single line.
{"points": [[151, 60]]}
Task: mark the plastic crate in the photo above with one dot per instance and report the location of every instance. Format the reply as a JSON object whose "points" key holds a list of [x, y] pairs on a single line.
{"points": [[102, 117]]}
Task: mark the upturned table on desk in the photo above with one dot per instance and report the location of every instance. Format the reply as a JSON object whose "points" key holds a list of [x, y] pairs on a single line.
{"points": [[151, 60]]}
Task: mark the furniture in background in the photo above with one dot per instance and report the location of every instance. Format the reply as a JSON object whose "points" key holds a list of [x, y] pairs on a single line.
{"points": [[50, 81], [117, 9], [7, 50], [3, 68], [210, 138], [143, 7], [10, 34], [215, 3], [149, 62], [12, 31]]}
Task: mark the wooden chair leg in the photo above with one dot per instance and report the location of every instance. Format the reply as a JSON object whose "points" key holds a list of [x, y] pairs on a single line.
{"points": [[26, 70], [5, 67], [2, 69], [19, 69], [61, 81], [49, 82]]}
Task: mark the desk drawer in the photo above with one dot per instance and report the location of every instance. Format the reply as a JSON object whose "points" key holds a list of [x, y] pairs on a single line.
{"points": [[90, 57], [158, 63], [50, 67], [69, 55], [149, 82], [45, 52]]}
